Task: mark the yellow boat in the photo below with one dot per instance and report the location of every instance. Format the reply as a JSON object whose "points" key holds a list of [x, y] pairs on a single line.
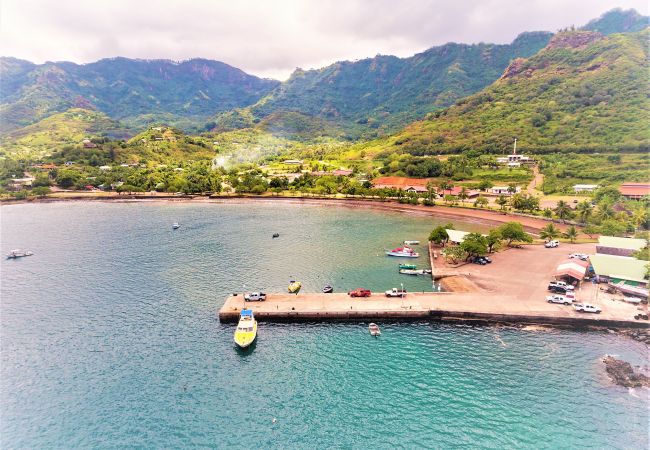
{"points": [[246, 331], [294, 287]]}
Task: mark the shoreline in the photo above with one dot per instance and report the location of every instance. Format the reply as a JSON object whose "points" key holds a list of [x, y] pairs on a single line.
{"points": [[476, 216]]}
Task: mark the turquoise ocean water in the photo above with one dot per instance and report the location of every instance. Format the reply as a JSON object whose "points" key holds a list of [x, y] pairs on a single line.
{"points": [[109, 339]]}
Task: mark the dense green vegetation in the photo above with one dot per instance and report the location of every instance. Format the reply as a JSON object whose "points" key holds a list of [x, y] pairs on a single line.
{"points": [[584, 92], [563, 170], [136, 92], [377, 95]]}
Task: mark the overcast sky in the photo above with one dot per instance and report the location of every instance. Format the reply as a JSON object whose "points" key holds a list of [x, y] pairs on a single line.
{"points": [[271, 38]]}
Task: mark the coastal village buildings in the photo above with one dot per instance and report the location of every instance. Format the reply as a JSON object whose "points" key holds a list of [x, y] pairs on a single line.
{"points": [[635, 191], [614, 265]]}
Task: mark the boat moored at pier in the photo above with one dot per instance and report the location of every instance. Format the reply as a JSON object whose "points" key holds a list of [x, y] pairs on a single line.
{"points": [[294, 287], [246, 331], [403, 252]]}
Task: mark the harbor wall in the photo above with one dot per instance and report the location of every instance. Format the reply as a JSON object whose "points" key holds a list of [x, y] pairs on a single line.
{"points": [[437, 315]]}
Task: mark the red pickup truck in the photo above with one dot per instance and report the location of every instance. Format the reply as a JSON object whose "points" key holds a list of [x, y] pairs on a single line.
{"points": [[360, 292]]}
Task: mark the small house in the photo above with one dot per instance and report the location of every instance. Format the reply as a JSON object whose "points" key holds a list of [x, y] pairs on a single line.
{"points": [[503, 190], [579, 188]]}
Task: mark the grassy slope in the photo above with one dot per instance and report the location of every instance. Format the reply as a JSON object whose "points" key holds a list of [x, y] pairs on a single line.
{"points": [[563, 98], [56, 131]]}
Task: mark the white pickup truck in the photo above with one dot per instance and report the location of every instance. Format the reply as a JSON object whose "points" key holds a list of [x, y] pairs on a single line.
{"points": [[396, 293], [254, 296]]}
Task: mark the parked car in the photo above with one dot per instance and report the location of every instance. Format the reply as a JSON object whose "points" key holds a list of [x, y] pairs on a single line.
{"points": [[482, 260], [552, 244], [396, 293], [254, 296], [478, 260], [586, 307], [580, 256], [559, 299], [360, 292], [561, 284]]}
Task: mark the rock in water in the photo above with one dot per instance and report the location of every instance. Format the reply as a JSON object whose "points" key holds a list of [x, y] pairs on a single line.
{"points": [[623, 374]]}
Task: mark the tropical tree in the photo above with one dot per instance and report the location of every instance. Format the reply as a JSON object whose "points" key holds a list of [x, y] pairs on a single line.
{"points": [[445, 185], [549, 232], [548, 212], [591, 230], [571, 233], [563, 211], [584, 210], [439, 235], [611, 227], [454, 254], [514, 232], [474, 244], [462, 195], [605, 211], [481, 202], [512, 188], [431, 190], [502, 201], [493, 239]]}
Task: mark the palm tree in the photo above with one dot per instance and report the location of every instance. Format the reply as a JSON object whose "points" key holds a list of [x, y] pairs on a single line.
{"points": [[549, 232], [585, 210], [571, 233], [445, 185], [431, 189], [563, 211], [462, 195], [605, 211]]}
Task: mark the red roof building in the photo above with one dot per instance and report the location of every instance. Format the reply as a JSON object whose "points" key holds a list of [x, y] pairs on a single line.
{"points": [[634, 191]]}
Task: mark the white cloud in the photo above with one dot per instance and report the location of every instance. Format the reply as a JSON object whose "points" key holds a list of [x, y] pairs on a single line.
{"points": [[271, 38]]}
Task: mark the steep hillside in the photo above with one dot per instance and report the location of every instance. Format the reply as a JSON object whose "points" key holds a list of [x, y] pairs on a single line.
{"points": [[583, 91], [134, 91], [375, 95], [59, 130], [618, 21]]}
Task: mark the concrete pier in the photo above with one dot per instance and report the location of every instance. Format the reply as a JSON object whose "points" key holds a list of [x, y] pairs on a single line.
{"points": [[478, 307]]}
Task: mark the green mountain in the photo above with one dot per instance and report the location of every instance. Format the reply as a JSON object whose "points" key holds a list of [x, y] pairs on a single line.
{"points": [[584, 91], [68, 128], [136, 92], [618, 21], [376, 95]]}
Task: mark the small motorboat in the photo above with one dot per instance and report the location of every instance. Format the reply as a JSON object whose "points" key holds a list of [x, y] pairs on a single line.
{"points": [[17, 253], [373, 328], [276, 235], [404, 252], [408, 266], [246, 331], [415, 271], [412, 242], [328, 289], [175, 226], [294, 287]]}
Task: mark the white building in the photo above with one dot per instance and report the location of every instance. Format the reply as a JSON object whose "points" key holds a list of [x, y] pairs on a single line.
{"points": [[498, 190], [515, 160], [585, 187]]}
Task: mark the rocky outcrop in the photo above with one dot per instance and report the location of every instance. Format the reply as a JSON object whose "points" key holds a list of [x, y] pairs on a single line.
{"points": [[573, 39], [623, 374]]}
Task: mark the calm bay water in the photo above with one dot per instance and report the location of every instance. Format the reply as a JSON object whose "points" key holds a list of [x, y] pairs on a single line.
{"points": [[109, 339]]}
